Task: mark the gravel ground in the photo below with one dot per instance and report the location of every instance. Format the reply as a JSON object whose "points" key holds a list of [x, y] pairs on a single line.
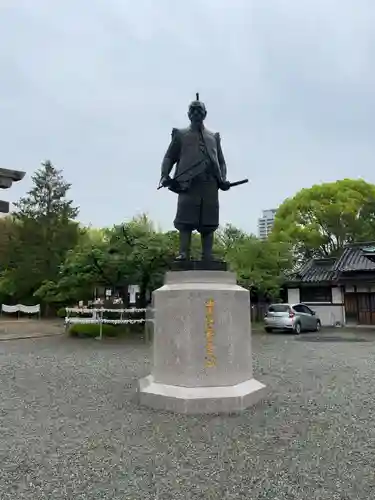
{"points": [[70, 428]]}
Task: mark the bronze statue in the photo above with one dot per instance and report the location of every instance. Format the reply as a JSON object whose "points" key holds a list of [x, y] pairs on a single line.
{"points": [[200, 172]]}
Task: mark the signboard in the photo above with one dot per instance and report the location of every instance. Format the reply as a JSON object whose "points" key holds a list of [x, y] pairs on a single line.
{"points": [[133, 290]]}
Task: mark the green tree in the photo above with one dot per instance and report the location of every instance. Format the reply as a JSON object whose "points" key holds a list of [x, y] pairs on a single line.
{"points": [[229, 236], [137, 253], [259, 264], [320, 220], [7, 235], [130, 253], [84, 268], [226, 239], [44, 232], [93, 235], [148, 252]]}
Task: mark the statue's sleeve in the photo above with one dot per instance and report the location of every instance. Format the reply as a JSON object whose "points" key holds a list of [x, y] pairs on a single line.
{"points": [[172, 155], [220, 156]]}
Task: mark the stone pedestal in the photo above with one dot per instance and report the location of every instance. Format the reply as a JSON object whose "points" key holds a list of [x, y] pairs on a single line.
{"points": [[202, 361]]}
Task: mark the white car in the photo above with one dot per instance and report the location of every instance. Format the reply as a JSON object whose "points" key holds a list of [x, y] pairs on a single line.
{"points": [[292, 317]]}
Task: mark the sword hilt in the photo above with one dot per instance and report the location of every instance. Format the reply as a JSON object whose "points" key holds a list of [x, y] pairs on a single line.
{"points": [[238, 183]]}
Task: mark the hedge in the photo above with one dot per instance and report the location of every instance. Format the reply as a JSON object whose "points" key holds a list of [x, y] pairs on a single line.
{"points": [[92, 330], [61, 313]]}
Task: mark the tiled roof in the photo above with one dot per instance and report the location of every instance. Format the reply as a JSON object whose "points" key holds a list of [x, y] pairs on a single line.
{"points": [[315, 271], [356, 258], [369, 252]]}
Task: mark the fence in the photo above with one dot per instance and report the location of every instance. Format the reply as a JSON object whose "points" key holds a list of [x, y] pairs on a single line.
{"points": [[258, 311], [97, 317]]}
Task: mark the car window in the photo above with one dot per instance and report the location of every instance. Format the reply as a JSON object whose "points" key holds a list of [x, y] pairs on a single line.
{"points": [[278, 308], [301, 308], [306, 309], [298, 308]]}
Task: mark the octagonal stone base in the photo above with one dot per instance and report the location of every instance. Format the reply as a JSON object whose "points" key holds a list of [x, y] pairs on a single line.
{"points": [[200, 400], [202, 359]]}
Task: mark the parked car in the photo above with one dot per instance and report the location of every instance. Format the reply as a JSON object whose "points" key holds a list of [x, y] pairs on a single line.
{"points": [[293, 317]]}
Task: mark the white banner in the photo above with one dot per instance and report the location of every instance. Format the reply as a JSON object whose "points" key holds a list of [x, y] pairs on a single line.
{"points": [[29, 309], [21, 308], [9, 309]]}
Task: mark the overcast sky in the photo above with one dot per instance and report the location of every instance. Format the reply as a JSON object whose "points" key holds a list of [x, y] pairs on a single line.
{"points": [[96, 86]]}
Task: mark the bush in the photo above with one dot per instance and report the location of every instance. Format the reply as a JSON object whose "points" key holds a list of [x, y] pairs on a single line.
{"points": [[92, 330], [61, 313], [135, 328]]}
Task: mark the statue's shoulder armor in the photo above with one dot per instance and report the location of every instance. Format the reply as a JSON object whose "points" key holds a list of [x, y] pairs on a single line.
{"points": [[185, 131], [180, 131], [215, 135], [175, 132]]}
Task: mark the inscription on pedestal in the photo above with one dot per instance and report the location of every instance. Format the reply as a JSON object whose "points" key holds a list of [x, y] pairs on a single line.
{"points": [[210, 333]]}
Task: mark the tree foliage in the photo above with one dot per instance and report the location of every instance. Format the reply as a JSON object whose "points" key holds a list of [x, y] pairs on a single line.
{"points": [[259, 264], [130, 253], [46, 256], [43, 232], [320, 220], [7, 235]]}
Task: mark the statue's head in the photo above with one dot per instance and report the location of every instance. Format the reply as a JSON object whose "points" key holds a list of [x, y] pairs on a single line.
{"points": [[197, 111]]}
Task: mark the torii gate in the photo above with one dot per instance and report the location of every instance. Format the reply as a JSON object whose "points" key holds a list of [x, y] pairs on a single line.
{"points": [[7, 177]]}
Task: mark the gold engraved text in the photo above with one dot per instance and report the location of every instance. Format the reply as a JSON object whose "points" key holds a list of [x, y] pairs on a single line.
{"points": [[210, 333]]}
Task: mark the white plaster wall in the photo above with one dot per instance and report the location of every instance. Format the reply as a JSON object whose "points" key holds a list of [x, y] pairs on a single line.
{"points": [[293, 296], [337, 295], [329, 314]]}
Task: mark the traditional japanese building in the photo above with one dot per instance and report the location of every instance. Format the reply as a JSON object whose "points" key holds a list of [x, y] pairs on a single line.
{"points": [[342, 290]]}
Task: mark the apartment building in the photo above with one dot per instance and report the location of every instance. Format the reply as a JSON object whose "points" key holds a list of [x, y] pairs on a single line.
{"points": [[265, 223]]}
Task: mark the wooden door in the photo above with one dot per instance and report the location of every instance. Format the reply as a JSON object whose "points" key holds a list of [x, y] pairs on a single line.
{"points": [[351, 307], [366, 308]]}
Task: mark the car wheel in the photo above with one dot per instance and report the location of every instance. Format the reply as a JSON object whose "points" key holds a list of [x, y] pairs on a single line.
{"points": [[297, 328], [268, 330], [318, 326]]}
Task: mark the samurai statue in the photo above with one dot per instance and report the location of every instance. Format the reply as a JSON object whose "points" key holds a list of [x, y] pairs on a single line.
{"points": [[200, 173]]}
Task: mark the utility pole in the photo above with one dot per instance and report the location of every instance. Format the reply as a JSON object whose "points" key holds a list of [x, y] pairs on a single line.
{"points": [[7, 177]]}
